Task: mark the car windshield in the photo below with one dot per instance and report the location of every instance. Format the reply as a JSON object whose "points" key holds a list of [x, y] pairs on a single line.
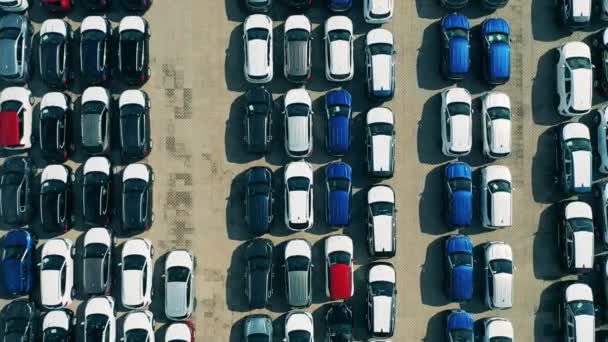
{"points": [[460, 184], [499, 186], [461, 335], [381, 128], [578, 63], [338, 111], [497, 37], [496, 113], [582, 307], [131, 110], [9, 34], [258, 189], [461, 259], [382, 288], [95, 251], [459, 108], [501, 266], [579, 144], [297, 35], [338, 35], [55, 334], [93, 108], [95, 326], [52, 262], [13, 252], [298, 184], [299, 336], [178, 274], [298, 263], [258, 338], [381, 49], [339, 257], [456, 32], [382, 208], [257, 108], [580, 224], [16, 325], [137, 335], [257, 33], [338, 184], [134, 262], [500, 339], [259, 264], [11, 106], [11, 178], [298, 109]]}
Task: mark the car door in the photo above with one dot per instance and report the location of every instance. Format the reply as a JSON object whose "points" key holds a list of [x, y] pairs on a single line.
{"points": [[144, 279], [20, 51], [569, 250]]}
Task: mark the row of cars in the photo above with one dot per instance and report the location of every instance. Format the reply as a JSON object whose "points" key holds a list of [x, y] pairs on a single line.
{"points": [[55, 50], [67, 5]]}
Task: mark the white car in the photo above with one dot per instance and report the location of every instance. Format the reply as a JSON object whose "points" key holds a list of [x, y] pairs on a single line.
{"points": [[380, 64], [496, 197], [97, 261], [299, 327], [136, 273], [57, 273], [381, 221], [377, 11], [339, 60], [380, 142], [602, 138], [339, 278], [179, 284], [381, 299], [574, 79], [138, 326], [497, 329], [299, 209], [16, 118], [298, 123], [99, 319], [14, 5], [498, 275], [180, 332], [578, 313], [574, 159], [57, 325], [576, 237], [257, 39], [496, 124], [456, 122]]}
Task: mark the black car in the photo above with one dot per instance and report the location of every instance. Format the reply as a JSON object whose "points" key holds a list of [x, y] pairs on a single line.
{"points": [[299, 4], [137, 213], [97, 5], [97, 261], [55, 211], [16, 193], [601, 43], [58, 326], [134, 108], [133, 50], [339, 322], [95, 38], [19, 322], [258, 6], [54, 127], [258, 119], [136, 5], [96, 191], [54, 53], [258, 200], [258, 273]]}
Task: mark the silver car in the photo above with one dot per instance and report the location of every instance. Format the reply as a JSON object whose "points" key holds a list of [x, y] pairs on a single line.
{"points": [[15, 48], [297, 49], [179, 284], [298, 267], [258, 328]]}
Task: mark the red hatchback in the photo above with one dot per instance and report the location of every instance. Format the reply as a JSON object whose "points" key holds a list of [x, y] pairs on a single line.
{"points": [[58, 5], [339, 270]]}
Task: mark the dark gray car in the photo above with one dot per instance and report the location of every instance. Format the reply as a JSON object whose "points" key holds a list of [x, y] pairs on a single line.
{"points": [[297, 52], [258, 328], [15, 47]]}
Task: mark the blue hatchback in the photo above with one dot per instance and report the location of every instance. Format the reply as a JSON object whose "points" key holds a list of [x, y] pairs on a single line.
{"points": [[460, 326], [455, 46], [497, 50], [338, 106], [18, 261], [459, 268], [459, 194], [339, 5], [338, 178]]}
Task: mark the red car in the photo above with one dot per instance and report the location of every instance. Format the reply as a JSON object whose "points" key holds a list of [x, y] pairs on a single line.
{"points": [[339, 267], [58, 5]]}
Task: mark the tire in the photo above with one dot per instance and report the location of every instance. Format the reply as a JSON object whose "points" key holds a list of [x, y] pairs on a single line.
{"points": [[151, 251], [73, 252]]}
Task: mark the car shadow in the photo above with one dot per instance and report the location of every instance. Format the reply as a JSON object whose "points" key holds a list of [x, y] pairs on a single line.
{"points": [[429, 132], [545, 188], [235, 209], [278, 301], [428, 69], [319, 295], [431, 204], [432, 290], [158, 285], [233, 63], [547, 317], [236, 330], [236, 299], [544, 97], [546, 25], [358, 303], [357, 230], [319, 154], [435, 327], [357, 156], [234, 133], [477, 304]]}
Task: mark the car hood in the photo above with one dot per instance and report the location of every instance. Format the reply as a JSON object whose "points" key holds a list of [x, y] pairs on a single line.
{"points": [[460, 127], [297, 283], [340, 281], [582, 173], [257, 60], [298, 136], [298, 208], [12, 274], [339, 134], [8, 54], [501, 136], [462, 208], [583, 248], [92, 280], [462, 283], [338, 208], [340, 57], [383, 235], [382, 150], [382, 313]]}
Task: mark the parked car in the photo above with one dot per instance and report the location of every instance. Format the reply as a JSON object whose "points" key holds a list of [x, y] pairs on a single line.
{"points": [[16, 45], [299, 209], [258, 328], [54, 51], [95, 118], [339, 5], [96, 191], [498, 275], [601, 45], [496, 58], [16, 193], [299, 4], [297, 49], [574, 14], [298, 273], [179, 284], [97, 261], [133, 50], [14, 5], [339, 322], [138, 325], [574, 77], [455, 46], [54, 127], [460, 326], [134, 125], [259, 200], [494, 4], [19, 322], [16, 118], [380, 62], [258, 48], [57, 273], [381, 299], [59, 325], [136, 273], [137, 181], [299, 327], [258, 119], [496, 197], [180, 332], [380, 142], [258, 272], [258, 6], [496, 124], [339, 57], [99, 320], [339, 267], [602, 138], [381, 221], [137, 5], [95, 38], [497, 329], [97, 5], [574, 158], [338, 182], [603, 208], [56, 198], [338, 107], [377, 11], [18, 249], [578, 313], [458, 185], [459, 268], [576, 237], [298, 123], [456, 122]]}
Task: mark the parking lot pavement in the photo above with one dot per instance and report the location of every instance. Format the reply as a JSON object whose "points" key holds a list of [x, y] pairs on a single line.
{"points": [[196, 88]]}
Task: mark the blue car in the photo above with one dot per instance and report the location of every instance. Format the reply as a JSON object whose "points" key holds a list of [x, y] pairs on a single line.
{"points": [[455, 57], [18, 262], [459, 268], [339, 5], [497, 50], [460, 326], [338, 106], [258, 200], [338, 179], [459, 194]]}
